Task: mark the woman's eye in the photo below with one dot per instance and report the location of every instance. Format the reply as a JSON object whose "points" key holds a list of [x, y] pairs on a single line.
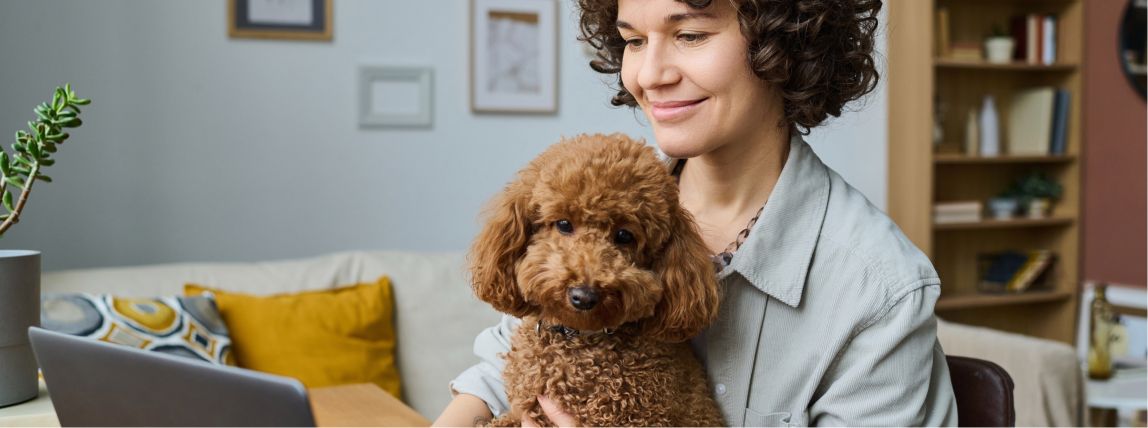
{"points": [[564, 226], [623, 237], [635, 42], [692, 37]]}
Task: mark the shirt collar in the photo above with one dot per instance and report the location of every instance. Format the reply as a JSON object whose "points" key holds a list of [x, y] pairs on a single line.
{"points": [[776, 256]]}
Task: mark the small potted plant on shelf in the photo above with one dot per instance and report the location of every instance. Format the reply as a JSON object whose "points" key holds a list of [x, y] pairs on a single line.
{"points": [[999, 46], [1004, 206], [1037, 194], [20, 269]]}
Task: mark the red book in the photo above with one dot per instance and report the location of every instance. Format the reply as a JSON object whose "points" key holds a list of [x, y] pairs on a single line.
{"points": [[1019, 31], [1032, 41]]}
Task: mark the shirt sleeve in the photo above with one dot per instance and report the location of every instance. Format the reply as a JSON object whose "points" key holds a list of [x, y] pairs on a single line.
{"points": [[484, 380], [892, 373]]}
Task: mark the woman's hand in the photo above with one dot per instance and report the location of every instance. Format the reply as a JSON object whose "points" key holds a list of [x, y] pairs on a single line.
{"points": [[552, 411]]}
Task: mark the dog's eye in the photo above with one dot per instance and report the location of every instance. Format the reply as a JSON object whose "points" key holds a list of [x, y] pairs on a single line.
{"points": [[623, 237], [564, 226]]}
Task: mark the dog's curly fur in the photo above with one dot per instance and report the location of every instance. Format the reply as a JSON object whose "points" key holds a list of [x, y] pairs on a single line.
{"points": [[656, 285]]}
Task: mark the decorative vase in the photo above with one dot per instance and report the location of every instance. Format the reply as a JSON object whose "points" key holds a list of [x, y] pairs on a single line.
{"points": [[19, 309], [989, 126], [998, 50], [972, 135], [1038, 207]]}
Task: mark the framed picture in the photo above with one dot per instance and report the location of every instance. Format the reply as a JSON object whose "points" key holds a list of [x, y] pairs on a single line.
{"points": [[392, 96], [280, 19], [514, 56]]}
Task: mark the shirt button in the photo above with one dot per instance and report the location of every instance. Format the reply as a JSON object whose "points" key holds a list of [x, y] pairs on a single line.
{"points": [[720, 389]]}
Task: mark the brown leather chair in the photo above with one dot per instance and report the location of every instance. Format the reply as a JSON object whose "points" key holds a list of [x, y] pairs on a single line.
{"points": [[983, 391]]}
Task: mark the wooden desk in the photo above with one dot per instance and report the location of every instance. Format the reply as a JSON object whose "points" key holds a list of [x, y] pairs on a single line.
{"points": [[363, 404], [334, 406]]}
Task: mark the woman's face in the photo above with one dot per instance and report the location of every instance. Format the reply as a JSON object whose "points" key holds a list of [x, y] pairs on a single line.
{"points": [[688, 71]]}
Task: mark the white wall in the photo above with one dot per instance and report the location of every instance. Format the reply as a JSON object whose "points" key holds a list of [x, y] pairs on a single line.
{"points": [[198, 147]]}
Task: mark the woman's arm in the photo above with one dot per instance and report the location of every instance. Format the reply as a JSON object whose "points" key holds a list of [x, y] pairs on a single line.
{"points": [[892, 373], [464, 411], [482, 384]]}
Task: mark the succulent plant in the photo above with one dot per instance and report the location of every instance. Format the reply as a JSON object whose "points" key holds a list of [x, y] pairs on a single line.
{"points": [[33, 151]]}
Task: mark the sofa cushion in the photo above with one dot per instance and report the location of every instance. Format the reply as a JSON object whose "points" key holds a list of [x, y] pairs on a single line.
{"points": [[183, 326], [330, 337]]}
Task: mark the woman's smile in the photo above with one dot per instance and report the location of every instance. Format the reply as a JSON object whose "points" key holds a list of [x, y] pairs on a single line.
{"points": [[674, 111]]}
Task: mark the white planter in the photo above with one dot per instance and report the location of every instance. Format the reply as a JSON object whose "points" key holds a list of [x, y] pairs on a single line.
{"points": [[19, 309], [1038, 208], [998, 50], [1002, 208]]}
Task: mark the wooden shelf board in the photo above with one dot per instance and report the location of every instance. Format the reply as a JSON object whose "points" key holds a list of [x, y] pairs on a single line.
{"points": [[1002, 224], [971, 300], [946, 63], [959, 159]]}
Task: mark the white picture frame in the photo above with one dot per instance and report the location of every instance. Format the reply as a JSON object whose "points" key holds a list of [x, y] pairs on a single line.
{"points": [[396, 96], [514, 56]]}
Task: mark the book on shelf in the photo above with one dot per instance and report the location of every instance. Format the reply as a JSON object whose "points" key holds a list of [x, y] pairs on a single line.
{"points": [[957, 212], [1030, 122], [1035, 37], [1034, 265], [1018, 28], [966, 51], [1013, 271], [1048, 40], [942, 36], [1058, 145]]}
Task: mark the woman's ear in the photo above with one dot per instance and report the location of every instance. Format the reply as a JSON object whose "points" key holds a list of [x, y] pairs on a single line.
{"points": [[690, 291], [500, 245]]}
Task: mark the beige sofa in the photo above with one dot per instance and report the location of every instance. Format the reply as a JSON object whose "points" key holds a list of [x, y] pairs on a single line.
{"points": [[438, 318]]}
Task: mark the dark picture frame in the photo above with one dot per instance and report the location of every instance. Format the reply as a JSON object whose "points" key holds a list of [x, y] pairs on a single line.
{"points": [[243, 24]]}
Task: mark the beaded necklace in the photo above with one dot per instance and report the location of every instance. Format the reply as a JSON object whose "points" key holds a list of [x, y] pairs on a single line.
{"points": [[723, 259]]}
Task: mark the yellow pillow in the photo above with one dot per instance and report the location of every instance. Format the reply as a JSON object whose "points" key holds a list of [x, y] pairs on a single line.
{"points": [[325, 337]]}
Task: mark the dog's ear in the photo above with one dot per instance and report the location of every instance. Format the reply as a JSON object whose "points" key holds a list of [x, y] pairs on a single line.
{"points": [[500, 245], [690, 291]]}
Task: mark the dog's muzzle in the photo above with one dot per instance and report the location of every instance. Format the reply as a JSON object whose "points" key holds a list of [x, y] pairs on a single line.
{"points": [[583, 297]]}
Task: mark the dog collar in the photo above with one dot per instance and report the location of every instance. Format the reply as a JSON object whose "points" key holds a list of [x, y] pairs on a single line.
{"points": [[570, 333]]}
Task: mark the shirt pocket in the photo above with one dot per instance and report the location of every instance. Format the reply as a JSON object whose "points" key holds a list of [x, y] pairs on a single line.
{"points": [[757, 419]]}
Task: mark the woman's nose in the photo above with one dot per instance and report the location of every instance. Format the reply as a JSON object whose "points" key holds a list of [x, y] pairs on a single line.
{"points": [[657, 65]]}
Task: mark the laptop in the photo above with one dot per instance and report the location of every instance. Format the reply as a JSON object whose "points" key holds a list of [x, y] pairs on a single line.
{"points": [[94, 383]]}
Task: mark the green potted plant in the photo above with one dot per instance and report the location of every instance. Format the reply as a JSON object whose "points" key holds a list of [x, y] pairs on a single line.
{"points": [[1004, 206], [20, 269], [1037, 192]]}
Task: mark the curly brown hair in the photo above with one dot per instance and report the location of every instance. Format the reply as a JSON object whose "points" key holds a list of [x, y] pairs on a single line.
{"points": [[817, 53]]}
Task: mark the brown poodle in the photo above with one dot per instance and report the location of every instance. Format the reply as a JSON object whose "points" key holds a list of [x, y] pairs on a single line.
{"points": [[590, 248]]}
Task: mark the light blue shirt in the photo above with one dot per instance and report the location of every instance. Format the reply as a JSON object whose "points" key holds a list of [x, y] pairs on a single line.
{"points": [[826, 317]]}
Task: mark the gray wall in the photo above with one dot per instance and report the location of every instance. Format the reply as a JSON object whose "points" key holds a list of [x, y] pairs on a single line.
{"points": [[203, 148]]}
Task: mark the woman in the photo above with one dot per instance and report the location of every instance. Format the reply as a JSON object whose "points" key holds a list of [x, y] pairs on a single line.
{"points": [[827, 313]]}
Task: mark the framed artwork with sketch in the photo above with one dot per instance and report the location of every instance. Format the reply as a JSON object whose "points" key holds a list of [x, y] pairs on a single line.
{"points": [[514, 56]]}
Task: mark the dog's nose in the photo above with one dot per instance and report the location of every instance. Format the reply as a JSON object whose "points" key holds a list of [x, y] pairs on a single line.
{"points": [[583, 297]]}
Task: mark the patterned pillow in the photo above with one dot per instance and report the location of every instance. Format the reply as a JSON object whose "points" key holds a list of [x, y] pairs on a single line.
{"points": [[185, 326]]}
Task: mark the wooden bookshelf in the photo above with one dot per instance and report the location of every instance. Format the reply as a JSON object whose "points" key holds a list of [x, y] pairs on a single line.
{"points": [[956, 159], [983, 300], [1012, 66], [1002, 224], [922, 174]]}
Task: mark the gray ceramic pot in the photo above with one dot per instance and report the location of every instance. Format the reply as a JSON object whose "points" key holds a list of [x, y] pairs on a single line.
{"points": [[19, 309]]}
